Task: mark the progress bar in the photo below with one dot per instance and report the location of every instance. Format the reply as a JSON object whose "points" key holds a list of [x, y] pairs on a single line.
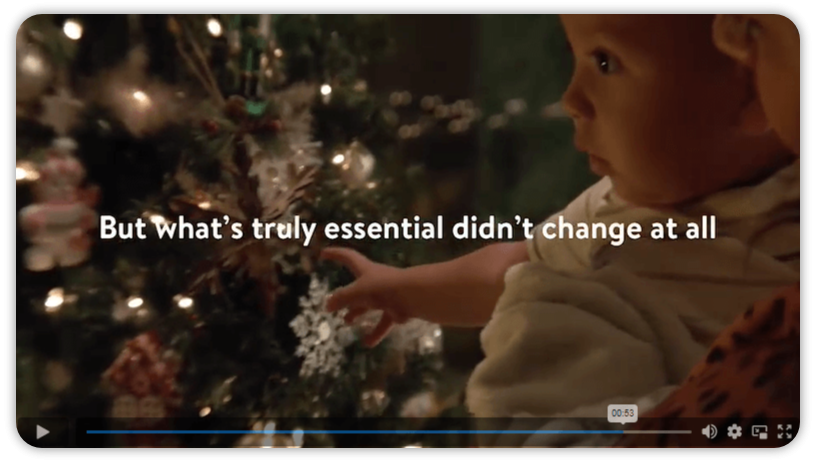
{"points": [[388, 432]]}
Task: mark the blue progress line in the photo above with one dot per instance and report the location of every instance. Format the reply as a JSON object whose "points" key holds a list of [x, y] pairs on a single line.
{"points": [[344, 431]]}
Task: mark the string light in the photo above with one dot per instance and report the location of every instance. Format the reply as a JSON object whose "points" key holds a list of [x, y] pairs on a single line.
{"points": [[33, 64], [142, 99], [338, 159], [371, 185], [554, 110], [72, 29], [278, 52], [515, 106], [205, 205], [184, 302], [325, 89], [214, 27], [135, 302], [55, 299], [157, 219], [205, 411], [26, 171]]}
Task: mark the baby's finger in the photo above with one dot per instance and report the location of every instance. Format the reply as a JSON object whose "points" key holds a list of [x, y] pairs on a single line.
{"points": [[375, 337], [354, 313], [349, 258], [352, 295]]}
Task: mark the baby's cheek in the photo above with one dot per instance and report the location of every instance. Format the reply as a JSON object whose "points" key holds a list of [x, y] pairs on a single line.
{"points": [[780, 95]]}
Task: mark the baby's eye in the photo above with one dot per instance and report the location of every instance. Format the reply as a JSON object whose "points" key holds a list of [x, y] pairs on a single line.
{"points": [[605, 62]]}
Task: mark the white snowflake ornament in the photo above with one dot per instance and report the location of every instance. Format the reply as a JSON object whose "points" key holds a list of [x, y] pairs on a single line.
{"points": [[323, 336]]}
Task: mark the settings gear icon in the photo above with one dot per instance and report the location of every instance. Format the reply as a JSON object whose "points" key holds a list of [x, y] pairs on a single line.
{"points": [[734, 431]]}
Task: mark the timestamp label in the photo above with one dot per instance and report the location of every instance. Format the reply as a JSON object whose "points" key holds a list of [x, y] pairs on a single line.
{"points": [[623, 413]]}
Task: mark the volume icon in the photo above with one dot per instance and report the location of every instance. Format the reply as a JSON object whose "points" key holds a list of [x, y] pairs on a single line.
{"points": [[710, 431]]}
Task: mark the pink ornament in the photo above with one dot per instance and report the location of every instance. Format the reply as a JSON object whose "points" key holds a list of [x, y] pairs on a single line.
{"points": [[57, 225]]}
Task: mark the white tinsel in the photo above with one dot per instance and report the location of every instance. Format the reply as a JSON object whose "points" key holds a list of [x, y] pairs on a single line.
{"points": [[323, 336], [272, 181], [295, 113]]}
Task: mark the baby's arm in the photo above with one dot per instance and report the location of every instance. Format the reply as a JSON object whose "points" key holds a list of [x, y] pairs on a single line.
{"points": [[463, 291], [459, 292]]}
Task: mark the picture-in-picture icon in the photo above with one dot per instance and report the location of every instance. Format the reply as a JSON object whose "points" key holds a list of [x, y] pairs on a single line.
{"points": [[760, 431]]}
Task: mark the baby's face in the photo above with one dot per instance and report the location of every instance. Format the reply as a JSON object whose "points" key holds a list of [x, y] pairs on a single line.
{"points": [[656, 106], [769, 45]]}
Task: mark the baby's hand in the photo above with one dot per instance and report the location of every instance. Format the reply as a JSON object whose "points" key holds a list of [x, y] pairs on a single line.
{"points": [[376, 288]]}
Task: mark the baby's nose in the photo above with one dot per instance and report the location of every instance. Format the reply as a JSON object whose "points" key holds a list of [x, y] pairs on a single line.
{"points": [[575, 102]]}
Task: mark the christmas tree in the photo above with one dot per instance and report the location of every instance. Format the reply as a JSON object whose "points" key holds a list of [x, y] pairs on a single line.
{"points": [[159, 118]]}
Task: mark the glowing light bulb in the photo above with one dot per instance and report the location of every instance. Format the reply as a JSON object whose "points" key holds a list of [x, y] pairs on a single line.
{"points": [[325, 89], [205, 411], [205, 205], [135, 302], [185, 302], [214, 27], [22, 173], [33, 64], [55, 299], [278, 52], [72, 29], [338, 159], [157, 219], [515, 106], [142, 99]]}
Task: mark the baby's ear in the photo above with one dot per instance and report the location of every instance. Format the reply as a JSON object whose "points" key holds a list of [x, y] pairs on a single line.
{"points": [[734, 35]]}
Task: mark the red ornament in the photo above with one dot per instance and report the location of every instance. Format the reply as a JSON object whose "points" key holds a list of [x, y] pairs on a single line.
{"points": [[275, 126], [141, 372], [210, 126]]}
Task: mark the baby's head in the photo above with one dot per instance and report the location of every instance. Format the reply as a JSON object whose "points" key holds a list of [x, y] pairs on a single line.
{"points": [[660, 110], [769, 47]]}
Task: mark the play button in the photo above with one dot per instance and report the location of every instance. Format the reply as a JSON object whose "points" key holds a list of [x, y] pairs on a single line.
{"points": [[45, 432]]}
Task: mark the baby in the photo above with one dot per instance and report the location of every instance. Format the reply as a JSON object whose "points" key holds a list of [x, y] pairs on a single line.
{"points": [[664, 118], [769, 47]]}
